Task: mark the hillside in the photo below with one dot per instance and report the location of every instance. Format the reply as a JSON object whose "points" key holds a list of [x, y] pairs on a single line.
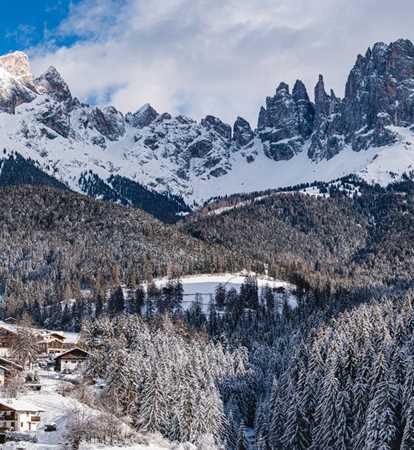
{"points": [[357, 240], [63, 242]]}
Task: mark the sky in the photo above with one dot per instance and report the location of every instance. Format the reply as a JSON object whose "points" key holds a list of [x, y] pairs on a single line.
{"points": [[198, 57]]}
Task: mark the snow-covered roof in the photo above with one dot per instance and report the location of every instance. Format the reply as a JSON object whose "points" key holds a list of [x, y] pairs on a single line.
{"points": [[19, 405], [72, 350], [8, 362]]}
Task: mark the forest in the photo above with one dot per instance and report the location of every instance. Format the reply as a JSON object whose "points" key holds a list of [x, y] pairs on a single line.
{"points": [[250, 371]]}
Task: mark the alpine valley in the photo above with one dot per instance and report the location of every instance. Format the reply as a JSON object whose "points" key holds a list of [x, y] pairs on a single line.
{"points": [[169, 165]]}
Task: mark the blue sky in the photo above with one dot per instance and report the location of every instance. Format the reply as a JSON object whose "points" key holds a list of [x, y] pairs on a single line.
{"points": [[25, 23], [220, 57]]}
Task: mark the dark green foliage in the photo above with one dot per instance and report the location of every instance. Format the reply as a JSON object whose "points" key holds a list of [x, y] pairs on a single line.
{"points": [[16, 171], [116, 304]]}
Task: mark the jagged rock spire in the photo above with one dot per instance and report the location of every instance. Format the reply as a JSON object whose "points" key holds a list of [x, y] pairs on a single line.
{"points": [[322, 100], [242, 132], [305, 109]]}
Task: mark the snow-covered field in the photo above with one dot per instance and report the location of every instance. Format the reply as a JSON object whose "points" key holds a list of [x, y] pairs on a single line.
{"points": [[206, 284]]}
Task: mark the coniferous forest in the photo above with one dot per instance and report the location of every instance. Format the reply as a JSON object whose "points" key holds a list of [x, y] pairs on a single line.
{"points": [[248, 370]]}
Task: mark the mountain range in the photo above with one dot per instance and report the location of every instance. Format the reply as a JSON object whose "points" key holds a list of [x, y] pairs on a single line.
{"points": [[169, 165]]}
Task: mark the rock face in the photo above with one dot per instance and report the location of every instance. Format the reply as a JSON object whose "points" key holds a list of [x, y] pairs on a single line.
{"points": [[17, 64], [143, 117], [285, 122], [51, 82], [214, 123], [15, 81], [379, 93], [109, 122], [242, 132]]}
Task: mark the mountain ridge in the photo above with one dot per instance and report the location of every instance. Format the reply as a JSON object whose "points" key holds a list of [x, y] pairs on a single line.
{"points": [[369, 133]]}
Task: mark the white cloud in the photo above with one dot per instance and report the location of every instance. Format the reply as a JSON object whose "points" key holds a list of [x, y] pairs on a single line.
{"points": [[217, 57]]}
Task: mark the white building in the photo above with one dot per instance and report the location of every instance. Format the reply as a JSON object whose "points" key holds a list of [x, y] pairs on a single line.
{"points": [[71, 361], [18, 415]]}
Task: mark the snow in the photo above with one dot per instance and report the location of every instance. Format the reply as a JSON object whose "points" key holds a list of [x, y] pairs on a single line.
{"points": [[57, 409], [69, 335], [69, 158], [161, 167], [206, 284], [19, 405]]}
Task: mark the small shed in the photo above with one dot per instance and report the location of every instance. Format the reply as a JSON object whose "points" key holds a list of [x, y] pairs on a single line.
{"points": [[71, 360]]}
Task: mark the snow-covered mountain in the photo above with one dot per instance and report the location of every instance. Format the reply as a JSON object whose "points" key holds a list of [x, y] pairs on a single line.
{"points": [[47, 134]]}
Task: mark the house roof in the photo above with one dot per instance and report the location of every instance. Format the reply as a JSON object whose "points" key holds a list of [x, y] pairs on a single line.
{"points": [[8, 328], [72, 350], [59, 335], [7, 362], [20, 405]]}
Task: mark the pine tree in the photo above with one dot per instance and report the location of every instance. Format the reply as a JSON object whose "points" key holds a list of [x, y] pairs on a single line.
{"points": [[242, 443], [136, 301], [116, 304], [220, 296], [382, 420], [269, 299], [153, 411], [153, 300], [408, 435], [99, 305]]}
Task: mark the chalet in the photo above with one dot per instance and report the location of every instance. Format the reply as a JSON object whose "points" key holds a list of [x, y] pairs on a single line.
{"points": [[71, 360], [58, 336], [54, 343], [18, 415]]}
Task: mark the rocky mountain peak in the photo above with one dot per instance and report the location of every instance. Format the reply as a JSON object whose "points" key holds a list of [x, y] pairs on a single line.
{"points": [[282, 89], [185, 157], [216, 124], [142, 117], [242, 132], [52, 82], [18, 65], [322, 100]]}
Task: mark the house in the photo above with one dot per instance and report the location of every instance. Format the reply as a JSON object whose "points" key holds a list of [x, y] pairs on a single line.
{"points": [[53, 343], [57, 336], [71, 360], [18, 415]]}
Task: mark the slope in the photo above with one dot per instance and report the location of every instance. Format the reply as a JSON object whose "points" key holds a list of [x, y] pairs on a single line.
{"points": [[63, 241], [362, 240]]}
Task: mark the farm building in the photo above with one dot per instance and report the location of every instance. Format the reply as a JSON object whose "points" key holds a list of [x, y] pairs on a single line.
{"points": [[16, 415], [71, 360]]}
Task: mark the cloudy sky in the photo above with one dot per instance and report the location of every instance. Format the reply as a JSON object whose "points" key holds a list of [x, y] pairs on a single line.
{"points": [[199, 57]]}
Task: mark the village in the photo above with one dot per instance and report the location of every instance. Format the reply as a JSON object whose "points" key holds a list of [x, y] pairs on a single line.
{"points": [[31, 360]]}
